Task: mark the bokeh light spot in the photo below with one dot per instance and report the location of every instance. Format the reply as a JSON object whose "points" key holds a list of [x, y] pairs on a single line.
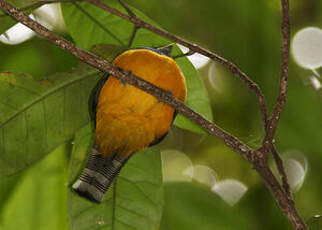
{"points": [[296, 166], [231, 191], [174, 164], [295, 173], [213, 75], [50, 16], [307, 47], [17, 34], [315, 222], [202, 174], [297, 155], [196, 59], [315, 82]]}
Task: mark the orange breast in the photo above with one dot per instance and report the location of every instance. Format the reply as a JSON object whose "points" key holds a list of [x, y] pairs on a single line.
{"points": [[129, 119]]}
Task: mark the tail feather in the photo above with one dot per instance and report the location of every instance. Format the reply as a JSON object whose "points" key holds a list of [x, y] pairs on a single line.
{"points": [[98, 175]]}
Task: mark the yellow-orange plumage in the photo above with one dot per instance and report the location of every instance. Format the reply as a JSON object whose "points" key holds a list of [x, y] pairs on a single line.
{"points": [[129, 119]]}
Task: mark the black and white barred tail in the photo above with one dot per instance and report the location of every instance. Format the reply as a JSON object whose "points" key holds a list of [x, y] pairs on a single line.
{"points": [[98, 175]]}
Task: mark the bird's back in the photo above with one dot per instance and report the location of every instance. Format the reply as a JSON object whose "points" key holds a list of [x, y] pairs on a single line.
{"points": [[129, 119]]}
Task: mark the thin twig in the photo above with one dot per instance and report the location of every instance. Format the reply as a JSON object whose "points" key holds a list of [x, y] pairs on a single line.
{"points": [[135, 30], [192, 47], [257, 158], [285, 55], [29, 7], [129, 78], [281, 170], [189, 53], [286, 205], [128, 10]]}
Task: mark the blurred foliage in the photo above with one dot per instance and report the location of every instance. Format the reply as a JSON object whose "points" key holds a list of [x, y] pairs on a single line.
{"points": [[37, 201], [192, 206], [39, 59], [246, 32], [136, 201]]}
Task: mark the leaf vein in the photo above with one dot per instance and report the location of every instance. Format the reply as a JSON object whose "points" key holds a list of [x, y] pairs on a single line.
{"points": [[140, 189], [84, 210], [123, 222], [45, 95], [133, 211], [28, 90]]}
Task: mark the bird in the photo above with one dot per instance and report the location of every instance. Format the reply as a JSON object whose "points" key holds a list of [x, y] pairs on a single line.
{"points": [[128, 120]]}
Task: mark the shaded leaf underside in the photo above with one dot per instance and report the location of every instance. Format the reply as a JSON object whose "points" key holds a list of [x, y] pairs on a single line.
{"points": [[36, 117]]}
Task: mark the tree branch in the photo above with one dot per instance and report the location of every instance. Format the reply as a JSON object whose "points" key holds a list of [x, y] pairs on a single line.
{"points": [[281, 170], [193, 48], [286, 205], [129, 78], [285, 55], [258, 158]]}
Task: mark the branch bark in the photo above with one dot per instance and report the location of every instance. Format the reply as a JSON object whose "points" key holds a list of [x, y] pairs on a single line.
{"points": [[258, 158], [129, 78], [193, 48], [285, 56]]}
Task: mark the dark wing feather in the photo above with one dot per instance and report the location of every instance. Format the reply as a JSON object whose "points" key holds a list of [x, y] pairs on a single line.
{"points": [[93, 99], [162, 51]]}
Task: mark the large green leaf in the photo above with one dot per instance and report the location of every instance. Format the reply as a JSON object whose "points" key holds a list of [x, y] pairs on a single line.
{"points": [[76, 22], [38, 200], [135, 203], [38, 116], [197, 98], [189, 206]]}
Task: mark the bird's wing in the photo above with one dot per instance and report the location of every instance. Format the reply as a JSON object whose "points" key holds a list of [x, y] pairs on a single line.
{"points": [[93, 99]]}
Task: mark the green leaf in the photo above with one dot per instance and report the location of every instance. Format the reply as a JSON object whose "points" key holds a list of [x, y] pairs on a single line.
{"points": [[38, 201], [121, 29], [7, 186], [189, 206], [197, 98], [38, 116], [5, 23], [135, 203], [32, 57]]}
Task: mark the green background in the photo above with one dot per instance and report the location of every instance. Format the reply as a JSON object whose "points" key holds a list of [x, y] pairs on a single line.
{"points": [[246, 32]]}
